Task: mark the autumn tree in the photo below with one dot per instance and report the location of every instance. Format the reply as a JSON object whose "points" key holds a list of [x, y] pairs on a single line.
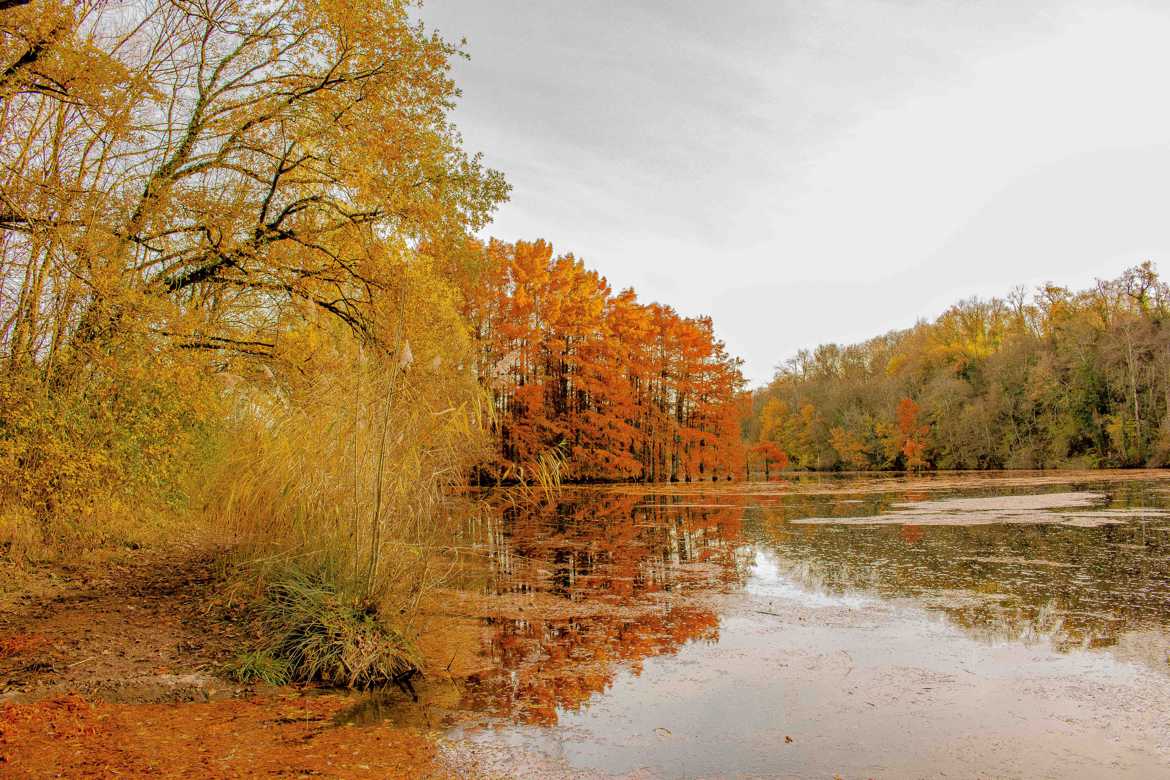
{"points": [[212, 212], [769, 455], [1057, 378], [620, 389], [911, 434]]}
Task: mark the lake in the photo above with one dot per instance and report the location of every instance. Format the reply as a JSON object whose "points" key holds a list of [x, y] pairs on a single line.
{"points": [[961, 625]]}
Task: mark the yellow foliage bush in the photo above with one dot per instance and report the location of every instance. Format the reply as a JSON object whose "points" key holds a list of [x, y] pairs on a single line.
{"points": [[93, 459]]}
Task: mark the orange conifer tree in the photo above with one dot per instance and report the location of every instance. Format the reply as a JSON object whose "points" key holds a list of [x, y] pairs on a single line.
{"points": [[619, 389]]}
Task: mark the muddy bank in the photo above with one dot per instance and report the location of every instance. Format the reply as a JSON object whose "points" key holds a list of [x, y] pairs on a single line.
{"points": [[1072, 509], [114, 667], [146, 626]]}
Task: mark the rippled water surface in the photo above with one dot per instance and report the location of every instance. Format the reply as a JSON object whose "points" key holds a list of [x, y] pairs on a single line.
{"points": [[1009, 625]]}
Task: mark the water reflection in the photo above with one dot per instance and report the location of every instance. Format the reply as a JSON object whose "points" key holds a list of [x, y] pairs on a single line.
{"points": [[1076, 587], [545, 667], [601, 580], [597, 546], [686, 631], [594, 584]]}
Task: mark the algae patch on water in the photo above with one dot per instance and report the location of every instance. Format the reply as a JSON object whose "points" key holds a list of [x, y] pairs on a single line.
{"points": [[1080, 509]]}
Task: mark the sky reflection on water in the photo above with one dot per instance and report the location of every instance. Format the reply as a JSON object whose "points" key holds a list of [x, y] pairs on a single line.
{"points": [[689, 633]]}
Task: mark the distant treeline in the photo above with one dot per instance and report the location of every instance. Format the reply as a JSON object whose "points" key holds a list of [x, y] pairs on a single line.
{"points": [[605, 386], [1055, 379]]}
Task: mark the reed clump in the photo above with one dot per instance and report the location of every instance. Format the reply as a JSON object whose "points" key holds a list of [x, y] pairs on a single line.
{"points": [[258, 666], [341, 495], [319, 634]]}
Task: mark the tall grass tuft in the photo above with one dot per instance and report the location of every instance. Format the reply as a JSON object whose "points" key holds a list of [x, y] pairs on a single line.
{"points": [[321, 635], [258, 666], [342, 492]]}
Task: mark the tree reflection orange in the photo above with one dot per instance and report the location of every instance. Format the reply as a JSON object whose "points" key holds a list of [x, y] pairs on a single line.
{"points": [[624, 552]]}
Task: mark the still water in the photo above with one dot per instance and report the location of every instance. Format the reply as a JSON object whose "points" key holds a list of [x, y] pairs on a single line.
{"points": [[1013, 625]]}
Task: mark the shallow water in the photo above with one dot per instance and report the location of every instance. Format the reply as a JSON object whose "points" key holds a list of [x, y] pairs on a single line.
{"points": [[967, 626]]}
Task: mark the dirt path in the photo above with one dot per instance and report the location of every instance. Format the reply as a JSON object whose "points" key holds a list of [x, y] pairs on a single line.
{"points": [[149, 627]]}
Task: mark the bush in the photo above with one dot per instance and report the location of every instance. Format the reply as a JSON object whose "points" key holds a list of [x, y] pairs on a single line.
{"points": [[98, 455]]}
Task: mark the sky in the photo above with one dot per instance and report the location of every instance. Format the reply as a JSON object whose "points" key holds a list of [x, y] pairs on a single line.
{"points": [[813, 171]]}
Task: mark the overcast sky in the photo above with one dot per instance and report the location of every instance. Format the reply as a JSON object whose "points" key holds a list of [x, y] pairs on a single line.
{"points": [[823, 170]]}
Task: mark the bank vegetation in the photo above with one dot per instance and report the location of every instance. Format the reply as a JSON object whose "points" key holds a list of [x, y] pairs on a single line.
{"points": [[1051, 378]]}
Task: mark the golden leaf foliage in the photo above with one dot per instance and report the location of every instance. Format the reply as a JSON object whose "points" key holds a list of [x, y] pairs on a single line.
{"points": [[1054, 379], [206, 209]]}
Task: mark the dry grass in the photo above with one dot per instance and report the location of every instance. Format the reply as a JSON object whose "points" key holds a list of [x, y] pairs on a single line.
{"points": [[314, 633], [338, 495]]}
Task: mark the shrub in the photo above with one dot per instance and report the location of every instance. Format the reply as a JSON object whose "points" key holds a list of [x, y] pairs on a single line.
{"points": [[95, 456]]}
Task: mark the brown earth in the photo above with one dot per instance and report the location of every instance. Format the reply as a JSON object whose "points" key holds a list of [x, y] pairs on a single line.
{"points": [[292, 735], [146, 626], [114, 668]]}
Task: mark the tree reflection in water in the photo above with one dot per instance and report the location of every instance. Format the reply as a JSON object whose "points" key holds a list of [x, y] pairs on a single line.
{"points": [[594, 584], [1072, 587], [604, 579]]}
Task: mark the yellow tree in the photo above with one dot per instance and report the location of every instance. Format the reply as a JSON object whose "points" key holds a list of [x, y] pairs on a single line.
{"points": [[234, 160], [189, 185]]}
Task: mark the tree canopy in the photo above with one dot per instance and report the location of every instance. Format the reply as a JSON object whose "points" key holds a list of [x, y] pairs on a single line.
{"points": [[1057, 378]]}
